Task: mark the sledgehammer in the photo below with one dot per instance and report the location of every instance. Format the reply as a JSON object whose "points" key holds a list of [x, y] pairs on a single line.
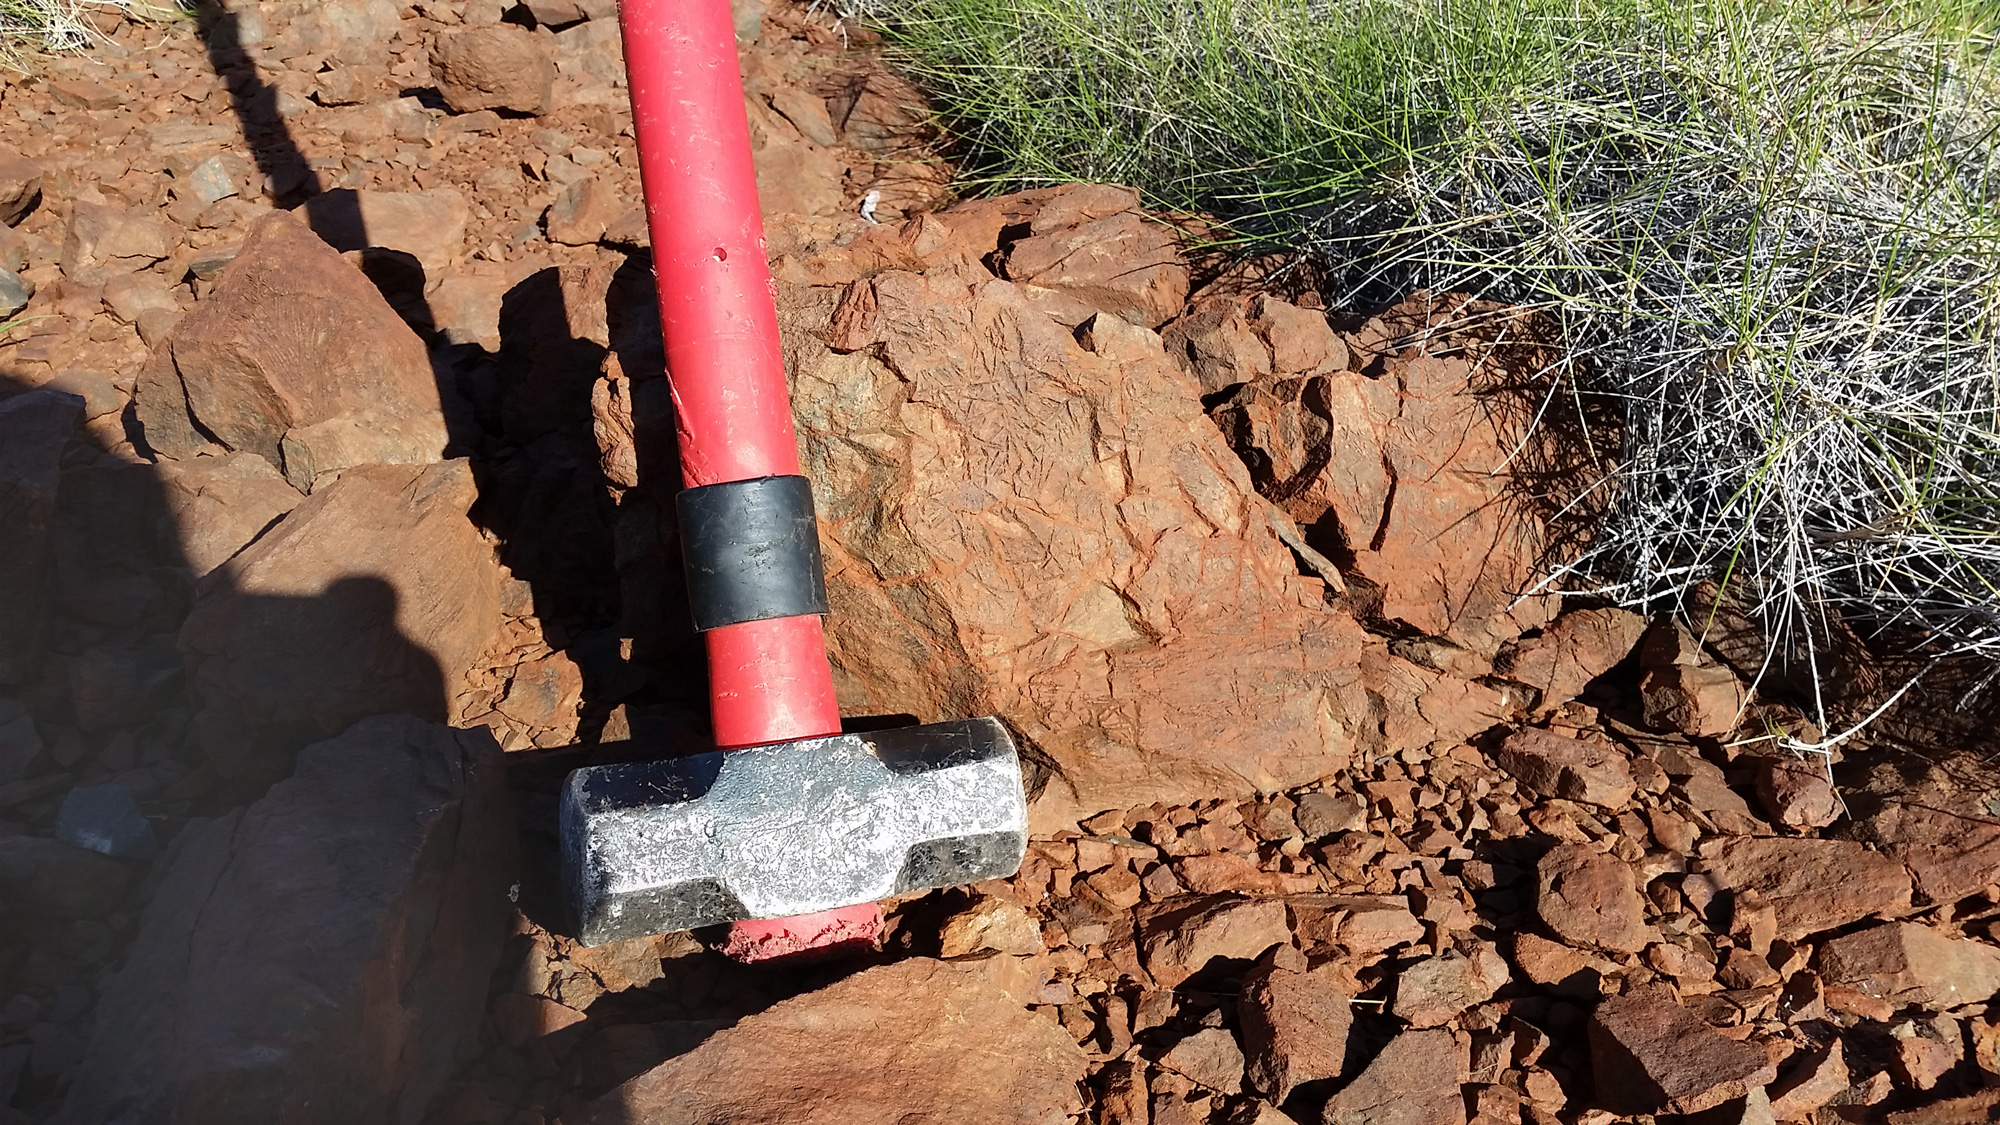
{"points": [[793, 830]]}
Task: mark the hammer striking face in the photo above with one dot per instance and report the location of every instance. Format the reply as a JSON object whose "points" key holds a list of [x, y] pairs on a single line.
{"points": [[789, 829]]}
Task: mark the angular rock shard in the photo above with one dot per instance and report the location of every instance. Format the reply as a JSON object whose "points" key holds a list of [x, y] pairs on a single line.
{"points": [[295, 338], [1813, 885], [1908, 964]]}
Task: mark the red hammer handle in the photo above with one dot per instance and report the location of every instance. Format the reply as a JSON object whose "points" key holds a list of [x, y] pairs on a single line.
{"points": [[769, 680]]}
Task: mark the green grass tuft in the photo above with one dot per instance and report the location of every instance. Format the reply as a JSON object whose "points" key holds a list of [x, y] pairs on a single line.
{"points": [[1771, 230]]}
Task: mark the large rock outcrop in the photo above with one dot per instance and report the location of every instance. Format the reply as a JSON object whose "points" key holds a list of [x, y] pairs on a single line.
{"points": [[1025, 512], [323, 955], [1020, 523], [375, 594]]}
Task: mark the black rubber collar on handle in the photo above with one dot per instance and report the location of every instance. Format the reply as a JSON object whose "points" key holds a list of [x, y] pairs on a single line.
{"points": [[751, 549]]}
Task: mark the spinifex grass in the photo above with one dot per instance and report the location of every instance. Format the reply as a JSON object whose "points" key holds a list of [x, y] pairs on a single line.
{"points": [[30, 26], [1772, 230]]}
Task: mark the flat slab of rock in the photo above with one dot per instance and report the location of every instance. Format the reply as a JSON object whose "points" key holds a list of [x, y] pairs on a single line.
{"points": [[1180, 939], [1651, 1055], [323, 955], [1414, 1081], [373, 595], [1565, 766], [1906, 964], [1813, 885], [920, 1042]]}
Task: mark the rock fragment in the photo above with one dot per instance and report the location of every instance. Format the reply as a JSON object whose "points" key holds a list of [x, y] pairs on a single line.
{"points": [[1104, 251], [1909, 964], [1560, 969], [917, 1040], [493, 67], [15, 292], [20, 186], [323, 955], [1414, 1081], [1209, 1058], [220, 504], [991, 923], [1435, 990], [1320, 814], [1813, 885], [1588, 899], [429, 226], [1295, 1027], [105, 240], [1651, 1055], [1813, 1083], [295, 344], [1568, 767], [1796, 793], [1181, 938], [1573, 650]]}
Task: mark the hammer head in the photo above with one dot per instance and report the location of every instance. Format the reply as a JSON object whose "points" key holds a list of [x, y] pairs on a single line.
{"points": [[789, 829]]}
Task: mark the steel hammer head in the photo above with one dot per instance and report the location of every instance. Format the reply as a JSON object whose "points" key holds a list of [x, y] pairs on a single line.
{"points": [[789, 829]]}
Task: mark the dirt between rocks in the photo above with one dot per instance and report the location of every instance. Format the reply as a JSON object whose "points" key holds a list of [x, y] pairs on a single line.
{"points": [[336, 468]]}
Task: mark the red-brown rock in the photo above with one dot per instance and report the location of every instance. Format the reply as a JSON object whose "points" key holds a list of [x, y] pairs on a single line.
{"points": [[20, 186], [220, 504], [1797, 793], [1180, 938], [1909, 964], [1589, 899], [375, 594], [1414, 1081], [1093, 243], [1450, 554], [298, 359], [1014, 524], [1209, 1058], [105, 240], [1295, 1027], [1651, 1055], [323, 955], [1811, 1083], [1813, 885], [1435, 990], [1705, 700], [493, 67], [1567, 766], [916, 1041], [43, 876], [1560, 969], [1575, 649]]}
